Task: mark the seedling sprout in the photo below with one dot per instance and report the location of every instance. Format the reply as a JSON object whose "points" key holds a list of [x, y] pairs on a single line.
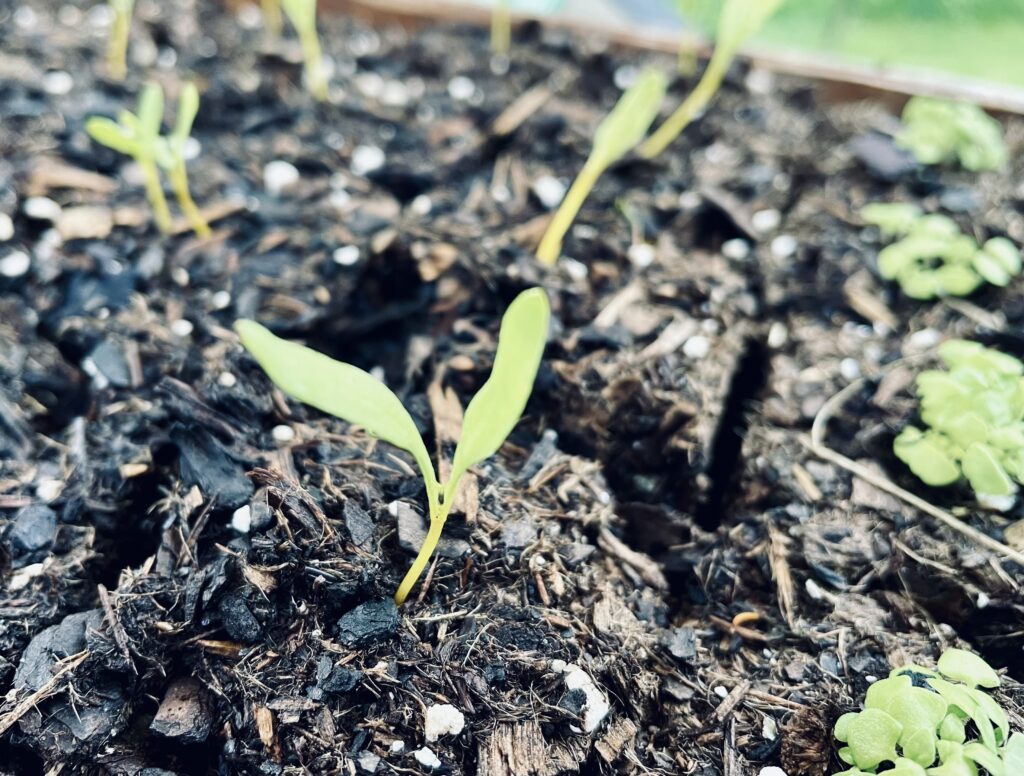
{"points": [[687, 55], [117, 45], [138, 136], [616, 136], [272, 21], [738, 21], [501, 29], [302, 15], [974, 414], [933, 258], [173, 159], [357, 397], [918, 717], [940, 131]]}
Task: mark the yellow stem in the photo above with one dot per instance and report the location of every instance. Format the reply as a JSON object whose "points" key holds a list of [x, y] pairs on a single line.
{"points": [[117, 46], [314, 63], [550, 247], [438, 516], [155, 195], [179, 183], [272, 17], [694, 103], [501, 28]]}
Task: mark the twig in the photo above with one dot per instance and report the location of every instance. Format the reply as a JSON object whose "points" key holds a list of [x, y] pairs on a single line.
{"points": [[115, 626], [21, 707], [817, 446]]}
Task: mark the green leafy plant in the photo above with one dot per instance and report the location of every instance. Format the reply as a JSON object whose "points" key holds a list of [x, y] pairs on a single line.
{"points": [[939, 131], [739, 20], [355, 396], [117, 44], [138, 136], [915, 723], [616, 136], [933, 258], [302, 15], [974, 414], [501, 28]]}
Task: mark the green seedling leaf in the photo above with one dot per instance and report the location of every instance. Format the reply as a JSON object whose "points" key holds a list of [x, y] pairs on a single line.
{"points": [[926, 459], [961, 697], [956, 280], [301, 13], [960, 249], [111, 134], [935, 227], [339, 389], [842, 729], [963, 353], [953, 729], [967, 428], [906, 767], [893, 219], [995, 713], [497, 407], [1006, 253], [963, 666], [939, 131], [918, 710], [1013, 754], [986, 474], [627, 124], [873, 737], [987, 759], [853, 772], [188, 109], [740, 20], [150, 114], [991, 269], [954, 761]]}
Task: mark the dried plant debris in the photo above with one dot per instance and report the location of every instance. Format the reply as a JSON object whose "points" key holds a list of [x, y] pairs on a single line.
{"points": [[653, 573]]}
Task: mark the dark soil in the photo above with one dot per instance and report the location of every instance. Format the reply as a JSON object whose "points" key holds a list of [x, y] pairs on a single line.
{"points": [[656, 520]]}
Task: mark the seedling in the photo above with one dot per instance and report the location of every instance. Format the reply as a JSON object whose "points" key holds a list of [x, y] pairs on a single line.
{"points": [[738, 21], [501, 29], [687, 55], [357, 397], [940, 131], [272, 17], [138, 136], [918, 717], [974, 414], [302, 15], [117, 45], [616, 136], [933, 258], [172, 159]]}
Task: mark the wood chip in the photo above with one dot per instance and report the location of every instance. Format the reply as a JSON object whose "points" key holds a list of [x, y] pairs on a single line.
{"points": [[648, 570], [265, 727], [88, 222], [49, 173], [515, 749], [524, 106], [619, 735]]}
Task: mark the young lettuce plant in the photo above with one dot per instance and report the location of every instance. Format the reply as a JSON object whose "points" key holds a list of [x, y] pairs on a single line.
{"points": [[974, 414], [933, 258], [938, 131], [616, 136], [739, 20], [917, 720], [138, 136], [172, 158], [355, 396], [117, 45], [302, 15]]}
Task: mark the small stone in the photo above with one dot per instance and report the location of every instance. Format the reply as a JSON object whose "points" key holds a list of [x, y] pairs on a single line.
{"points": [[721, 692], [736, 249], [366, 159], [412, 532], [397, 747], [778, 335], [625, 76], [184, 714], [241, 519], [41, 208], [640, 255], [422, 205], [596, 707], [549, 191], [181, 327], [983, 600], [765, 221], [849, 369], [577, 270], [697, 347], [340, 680], [279, 175], [443, 720], [426, 758], [238, 619], [690, 200], [227, 380], [359, 524], [518, 533], [925, 339], [368, 762], [882, 157], [772, 770], [461, 88], [346, 255], [369, 623], [15, 264], [6, 227], [282, 434], [682, 643], [784, 246], [34, 528], [58, 83], [769, 729], [220, 300]]}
